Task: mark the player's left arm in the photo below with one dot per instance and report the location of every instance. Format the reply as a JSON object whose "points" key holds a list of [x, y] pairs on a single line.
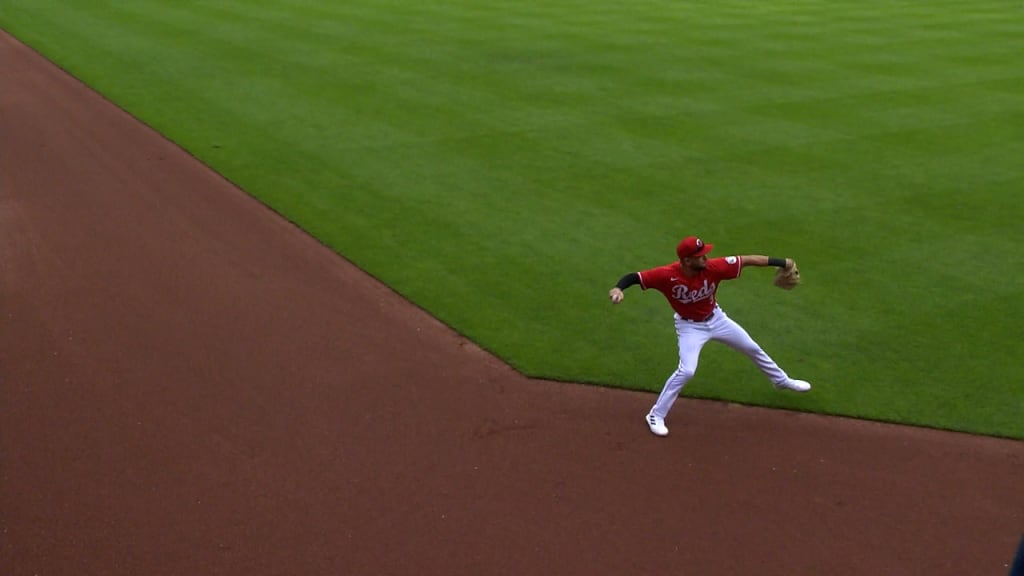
{"points": [[760, 260]]}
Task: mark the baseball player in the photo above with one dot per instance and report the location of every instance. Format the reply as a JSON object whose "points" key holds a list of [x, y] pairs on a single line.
{"points": [[690, 285]]}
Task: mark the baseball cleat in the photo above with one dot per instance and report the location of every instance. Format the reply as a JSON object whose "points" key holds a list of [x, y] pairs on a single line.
{"points": [[657, 425], [794, 385]]}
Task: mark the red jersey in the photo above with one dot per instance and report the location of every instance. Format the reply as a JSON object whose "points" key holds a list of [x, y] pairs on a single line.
{"points": [[692, 297]]}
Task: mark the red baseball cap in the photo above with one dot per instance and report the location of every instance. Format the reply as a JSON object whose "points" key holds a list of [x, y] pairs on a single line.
{"points": [[691, 247]]}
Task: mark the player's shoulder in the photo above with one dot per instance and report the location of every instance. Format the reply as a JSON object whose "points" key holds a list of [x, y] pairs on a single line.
{"points": [[664, 271], [724, 261]]}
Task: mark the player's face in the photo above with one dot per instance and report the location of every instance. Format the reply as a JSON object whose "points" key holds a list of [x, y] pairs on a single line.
{"points": [[697, 262]]}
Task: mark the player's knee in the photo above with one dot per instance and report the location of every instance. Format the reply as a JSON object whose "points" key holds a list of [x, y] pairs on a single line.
{"points": [[685, 372], [751, 349]]}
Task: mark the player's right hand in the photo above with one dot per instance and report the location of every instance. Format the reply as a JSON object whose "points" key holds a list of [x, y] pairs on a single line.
{"points": [[616, 295]]}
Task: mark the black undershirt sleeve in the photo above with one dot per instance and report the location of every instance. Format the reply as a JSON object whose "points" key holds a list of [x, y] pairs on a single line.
{"points": [[628, 280]]}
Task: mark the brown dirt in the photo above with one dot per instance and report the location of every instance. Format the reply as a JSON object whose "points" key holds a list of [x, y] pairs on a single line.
{"points": [[191, 385]]}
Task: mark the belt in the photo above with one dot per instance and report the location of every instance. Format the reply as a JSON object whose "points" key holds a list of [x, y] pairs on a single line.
{"points": [[704, 319]]}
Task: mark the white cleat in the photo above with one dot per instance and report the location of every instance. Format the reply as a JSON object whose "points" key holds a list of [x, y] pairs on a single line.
{"points": [[657, 425], [794, 385]]}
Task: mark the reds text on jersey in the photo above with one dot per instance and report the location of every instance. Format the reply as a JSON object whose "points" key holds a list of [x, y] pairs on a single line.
{"points": [[691, 297]]}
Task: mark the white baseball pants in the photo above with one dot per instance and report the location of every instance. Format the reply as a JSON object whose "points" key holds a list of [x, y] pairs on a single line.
{"points": [[692, 338]]}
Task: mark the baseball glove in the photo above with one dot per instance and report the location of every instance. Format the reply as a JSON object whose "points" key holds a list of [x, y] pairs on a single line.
{"points": [[787, 278]]}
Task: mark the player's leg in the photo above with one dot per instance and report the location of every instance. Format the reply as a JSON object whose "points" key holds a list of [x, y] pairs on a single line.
{"points": [[727, 331], [691, 338]]}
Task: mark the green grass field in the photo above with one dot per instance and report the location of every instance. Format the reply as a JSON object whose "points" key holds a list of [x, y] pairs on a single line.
{"points": [[502, 163]]}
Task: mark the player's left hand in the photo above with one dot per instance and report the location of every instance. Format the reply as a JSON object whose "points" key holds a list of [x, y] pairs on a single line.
{"points": [[787, 278]]}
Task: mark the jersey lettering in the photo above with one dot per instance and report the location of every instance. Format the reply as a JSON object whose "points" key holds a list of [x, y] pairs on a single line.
{"points": [[685, 295]]}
